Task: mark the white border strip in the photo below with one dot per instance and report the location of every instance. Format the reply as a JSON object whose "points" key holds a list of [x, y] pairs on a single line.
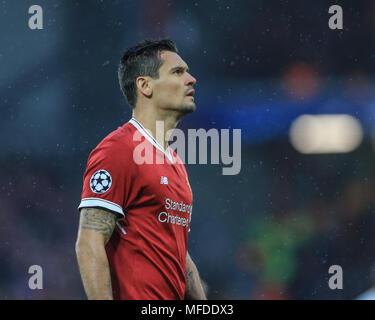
{"points": [[96, 202], [121, 228], [149, 137]]}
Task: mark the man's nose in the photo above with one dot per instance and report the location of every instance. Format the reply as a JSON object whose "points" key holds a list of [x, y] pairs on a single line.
{"points": [[191, 80]]}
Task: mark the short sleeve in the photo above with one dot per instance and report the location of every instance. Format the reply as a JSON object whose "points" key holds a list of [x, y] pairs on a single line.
{"points": [[104, 181]]}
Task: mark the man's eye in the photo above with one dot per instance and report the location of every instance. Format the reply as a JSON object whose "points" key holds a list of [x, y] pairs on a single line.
{"points": [[179, 71]]}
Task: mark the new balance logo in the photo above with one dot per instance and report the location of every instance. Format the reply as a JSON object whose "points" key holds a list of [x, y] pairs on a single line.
{"points": [[163, 180]]}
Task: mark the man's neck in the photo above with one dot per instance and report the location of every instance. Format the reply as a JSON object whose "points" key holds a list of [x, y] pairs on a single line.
{"points": [[158, 124]]}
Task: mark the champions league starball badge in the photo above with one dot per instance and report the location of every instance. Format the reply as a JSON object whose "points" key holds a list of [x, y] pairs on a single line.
{"points": [[100, 182]]}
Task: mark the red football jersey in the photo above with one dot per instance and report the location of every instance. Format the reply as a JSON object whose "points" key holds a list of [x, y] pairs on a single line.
{"points": [[147, 250]]}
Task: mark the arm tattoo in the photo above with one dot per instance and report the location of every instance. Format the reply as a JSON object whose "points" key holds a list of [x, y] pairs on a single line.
{"points": [[189, 276], [191, 287], [194, 288], [98, 220]]}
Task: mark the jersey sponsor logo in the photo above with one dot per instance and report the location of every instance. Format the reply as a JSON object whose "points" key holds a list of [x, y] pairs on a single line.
{"points": [[165, 217], [178, 206], [100, 182]]}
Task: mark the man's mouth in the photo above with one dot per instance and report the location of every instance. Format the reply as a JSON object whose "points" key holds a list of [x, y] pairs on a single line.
{"points": [[190, 93]]}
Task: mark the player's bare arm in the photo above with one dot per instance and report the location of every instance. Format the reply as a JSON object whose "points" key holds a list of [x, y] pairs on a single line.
{"points": [[194, 288], [95, 229]]}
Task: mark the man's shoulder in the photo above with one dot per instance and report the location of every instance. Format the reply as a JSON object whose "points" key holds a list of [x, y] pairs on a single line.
{"points": [[122, 136], [117, 143]]}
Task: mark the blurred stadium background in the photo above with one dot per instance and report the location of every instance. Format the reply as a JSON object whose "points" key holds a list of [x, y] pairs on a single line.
{"points": [[272, 232]]}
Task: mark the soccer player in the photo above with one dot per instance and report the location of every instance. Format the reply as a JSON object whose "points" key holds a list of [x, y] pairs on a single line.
{"points": [[135, 216]]}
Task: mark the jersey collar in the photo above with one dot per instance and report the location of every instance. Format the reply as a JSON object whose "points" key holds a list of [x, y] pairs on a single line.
{"points": [[150, 138]]}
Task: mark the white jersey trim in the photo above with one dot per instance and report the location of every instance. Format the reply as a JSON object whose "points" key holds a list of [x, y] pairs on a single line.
{"points": [[121, 228], [96, 202], [150, 138]]}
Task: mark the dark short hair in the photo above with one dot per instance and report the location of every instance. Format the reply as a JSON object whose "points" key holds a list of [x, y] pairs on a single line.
{"points": [[143, 59]]}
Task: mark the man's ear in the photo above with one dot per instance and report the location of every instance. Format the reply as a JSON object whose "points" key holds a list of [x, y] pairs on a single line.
{"points": [[144, 86]]}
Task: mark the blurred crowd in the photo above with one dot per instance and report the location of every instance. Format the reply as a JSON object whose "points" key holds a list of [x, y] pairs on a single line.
{"points": [[38, 227], [320, 213]]}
